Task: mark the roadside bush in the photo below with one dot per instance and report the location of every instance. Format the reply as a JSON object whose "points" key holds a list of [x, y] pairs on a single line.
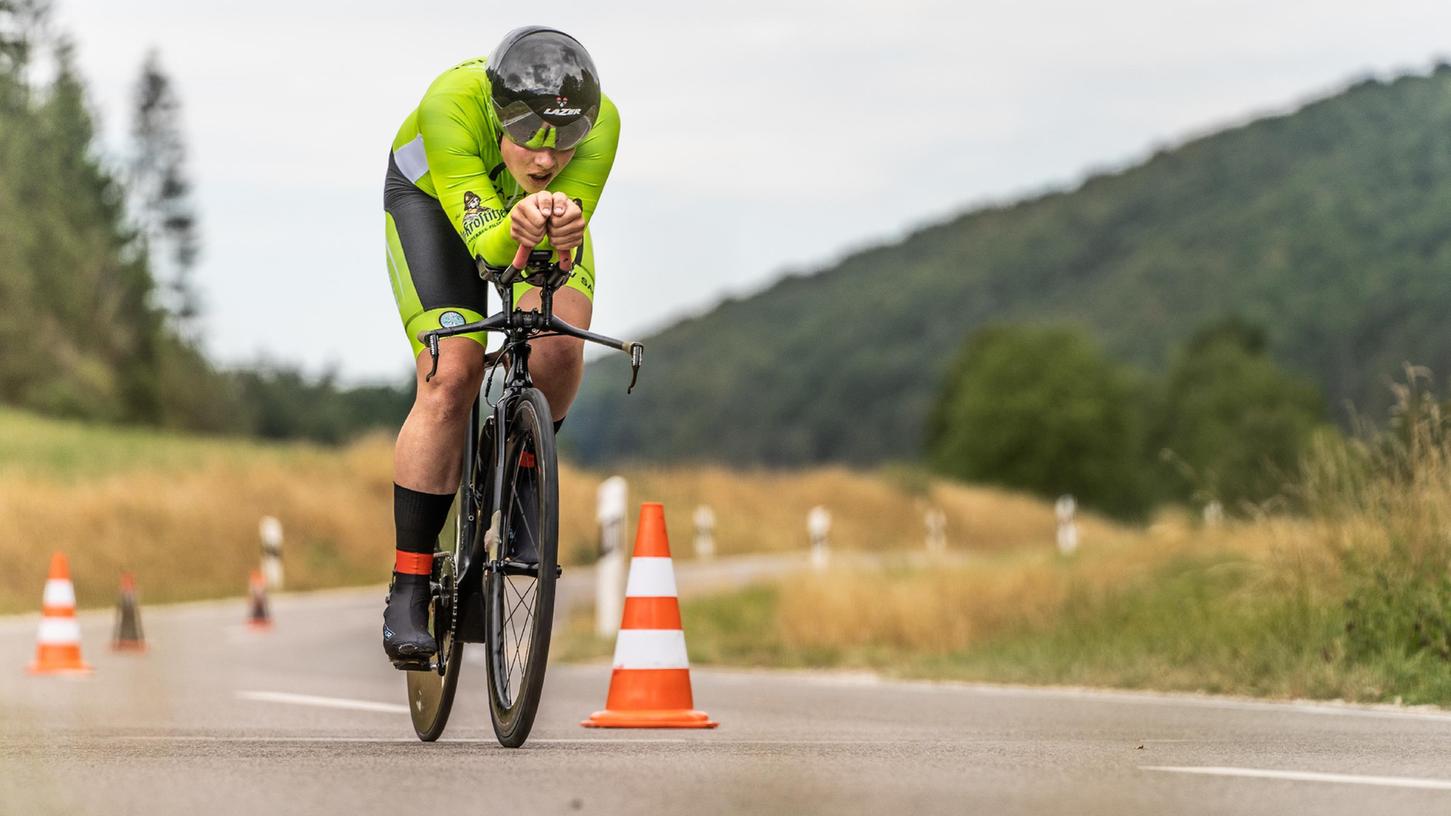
{"points": [[1043, 409]]}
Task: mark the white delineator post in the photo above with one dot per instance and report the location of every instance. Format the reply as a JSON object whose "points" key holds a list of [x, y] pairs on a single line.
{"points": [[818, 526], [936, 522], [704, 532], [1067, 528], [613, 498], [270, 530]]}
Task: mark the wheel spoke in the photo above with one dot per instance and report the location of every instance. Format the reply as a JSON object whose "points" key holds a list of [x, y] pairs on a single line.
{"points": [[521, 631], [524, 517]]}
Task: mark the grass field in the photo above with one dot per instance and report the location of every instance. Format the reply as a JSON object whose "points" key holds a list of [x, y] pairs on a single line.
{"points": [[181, 512], [1348, 597]]}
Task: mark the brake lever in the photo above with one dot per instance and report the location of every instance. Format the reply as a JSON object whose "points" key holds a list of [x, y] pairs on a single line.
{"points": [[432, 352], [637, 357]]}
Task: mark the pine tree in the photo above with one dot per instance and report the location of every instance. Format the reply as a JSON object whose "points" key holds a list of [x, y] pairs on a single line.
{"points": [[161, 192], [21, 24]]}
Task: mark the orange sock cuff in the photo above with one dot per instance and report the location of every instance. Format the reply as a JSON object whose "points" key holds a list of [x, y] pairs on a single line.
{"points": [[407, 563]]}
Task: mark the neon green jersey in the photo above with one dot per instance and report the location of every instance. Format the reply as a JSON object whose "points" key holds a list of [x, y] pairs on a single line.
{"points": [[449, 148]]}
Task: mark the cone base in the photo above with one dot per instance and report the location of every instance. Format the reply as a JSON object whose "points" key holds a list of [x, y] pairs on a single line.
{"points": [[660, 718], [129, 646], [79, 668], [260, 625]]}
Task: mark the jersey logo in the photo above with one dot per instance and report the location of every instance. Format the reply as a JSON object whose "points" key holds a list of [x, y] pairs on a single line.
{"points": [[475, 217]]}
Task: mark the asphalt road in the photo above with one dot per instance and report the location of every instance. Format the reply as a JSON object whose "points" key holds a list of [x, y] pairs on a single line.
{"points": [[309, 718]]}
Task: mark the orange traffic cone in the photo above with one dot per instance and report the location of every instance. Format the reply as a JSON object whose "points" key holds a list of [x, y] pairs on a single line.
{"points": [[58, 644], [259, 619], [650, 687], [128, 619]]}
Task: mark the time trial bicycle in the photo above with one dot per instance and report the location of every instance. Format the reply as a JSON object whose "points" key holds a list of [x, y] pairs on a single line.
{"points": [[496, 585]]}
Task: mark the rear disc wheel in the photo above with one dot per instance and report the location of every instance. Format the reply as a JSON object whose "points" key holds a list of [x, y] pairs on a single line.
{"points": [[431, 692]]}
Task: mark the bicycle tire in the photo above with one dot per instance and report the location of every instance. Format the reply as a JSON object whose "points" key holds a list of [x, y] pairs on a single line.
{"points": [[515, 667]]}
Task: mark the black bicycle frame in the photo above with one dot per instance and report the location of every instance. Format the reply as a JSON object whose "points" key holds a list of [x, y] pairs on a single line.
{"points": [[518, 327]]}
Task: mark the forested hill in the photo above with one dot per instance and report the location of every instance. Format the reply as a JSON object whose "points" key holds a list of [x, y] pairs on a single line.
{"points": [[99, 318], [1330, 226]]}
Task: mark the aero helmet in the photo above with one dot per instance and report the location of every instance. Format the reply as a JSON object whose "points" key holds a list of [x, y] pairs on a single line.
{"points": [[545, 90]]}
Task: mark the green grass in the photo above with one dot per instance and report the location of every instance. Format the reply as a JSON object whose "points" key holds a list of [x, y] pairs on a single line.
{"points": [[1199, 624], [37, 446]]}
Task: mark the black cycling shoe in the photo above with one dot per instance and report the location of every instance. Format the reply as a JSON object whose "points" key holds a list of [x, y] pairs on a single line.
{"points": [[405, 622]]}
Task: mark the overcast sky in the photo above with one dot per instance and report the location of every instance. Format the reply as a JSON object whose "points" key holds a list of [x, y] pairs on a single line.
{"points": [[758, 136]]}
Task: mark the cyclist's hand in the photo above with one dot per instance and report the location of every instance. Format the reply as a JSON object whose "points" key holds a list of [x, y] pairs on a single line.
{"points": [[566, 227], [529, 218]]}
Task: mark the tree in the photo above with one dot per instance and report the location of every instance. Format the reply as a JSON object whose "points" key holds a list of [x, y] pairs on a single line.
{"points": [[1044, 410], [161, 192], [1235, 423]]}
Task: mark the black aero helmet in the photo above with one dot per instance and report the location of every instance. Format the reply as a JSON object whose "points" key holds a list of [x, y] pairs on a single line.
{"points": [[546, 92]]}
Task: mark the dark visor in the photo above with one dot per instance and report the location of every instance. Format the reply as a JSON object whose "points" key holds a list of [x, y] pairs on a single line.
{"points": [[528, 129]]}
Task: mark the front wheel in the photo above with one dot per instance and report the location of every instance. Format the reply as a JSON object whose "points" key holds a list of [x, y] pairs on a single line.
{"points": [[519, 590]]}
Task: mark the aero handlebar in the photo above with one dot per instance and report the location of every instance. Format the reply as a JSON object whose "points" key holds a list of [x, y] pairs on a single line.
{"points": [[532, 323]]}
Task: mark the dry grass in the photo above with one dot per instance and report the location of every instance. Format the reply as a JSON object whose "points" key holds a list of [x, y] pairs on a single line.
{"points": [[947, 607], [181, 512], [765, 510], [192, 532], [1342, 589]]}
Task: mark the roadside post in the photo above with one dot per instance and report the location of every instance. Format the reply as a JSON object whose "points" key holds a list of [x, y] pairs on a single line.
{"points": [[1067, 528], [818, 526], [704, 532], [1213, 514], [270, 529], [936, 522], [613, 499]]}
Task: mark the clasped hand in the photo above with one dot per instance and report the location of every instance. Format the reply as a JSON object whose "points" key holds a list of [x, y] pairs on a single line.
{"points": [[549, 214]]}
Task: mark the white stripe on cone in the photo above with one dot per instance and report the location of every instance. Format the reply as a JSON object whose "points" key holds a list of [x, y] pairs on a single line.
{"points": [[59, 632], [651, 649], [59, 592], [651, 578]]}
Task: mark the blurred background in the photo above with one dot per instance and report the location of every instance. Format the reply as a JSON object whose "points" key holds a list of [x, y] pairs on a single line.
{"points": [[933, 267]]}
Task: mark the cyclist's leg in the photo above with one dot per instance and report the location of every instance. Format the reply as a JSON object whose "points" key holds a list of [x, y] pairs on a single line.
{"points": [[435, 284], [557, 363]]}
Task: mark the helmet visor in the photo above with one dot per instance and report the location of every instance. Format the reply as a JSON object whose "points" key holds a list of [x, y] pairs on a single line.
{"points": [[528, 129]]}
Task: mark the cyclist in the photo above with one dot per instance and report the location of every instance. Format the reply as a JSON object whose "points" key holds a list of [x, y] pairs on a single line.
{"points": [[508, 150]]}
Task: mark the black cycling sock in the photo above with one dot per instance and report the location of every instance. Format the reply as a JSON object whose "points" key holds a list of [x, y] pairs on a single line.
{"points": [[558, 423], [418, 518]]}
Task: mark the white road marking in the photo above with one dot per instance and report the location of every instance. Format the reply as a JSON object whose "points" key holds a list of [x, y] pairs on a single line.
{"points": [[322, 702], [1309, 776]]}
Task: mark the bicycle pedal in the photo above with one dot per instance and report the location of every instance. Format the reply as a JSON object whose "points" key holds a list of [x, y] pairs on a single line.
{"points": [[414, 665]]}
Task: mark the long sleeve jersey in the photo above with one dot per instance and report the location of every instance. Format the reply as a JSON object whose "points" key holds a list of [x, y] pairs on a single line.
{"points": [[449, 147]]}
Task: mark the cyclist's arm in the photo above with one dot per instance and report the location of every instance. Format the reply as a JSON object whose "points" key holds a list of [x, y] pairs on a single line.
{"points": [[452, 137], [584, 177]]}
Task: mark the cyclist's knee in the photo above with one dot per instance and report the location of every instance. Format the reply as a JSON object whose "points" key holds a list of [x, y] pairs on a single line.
{"points": [[451, 392], [557, 355]]}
